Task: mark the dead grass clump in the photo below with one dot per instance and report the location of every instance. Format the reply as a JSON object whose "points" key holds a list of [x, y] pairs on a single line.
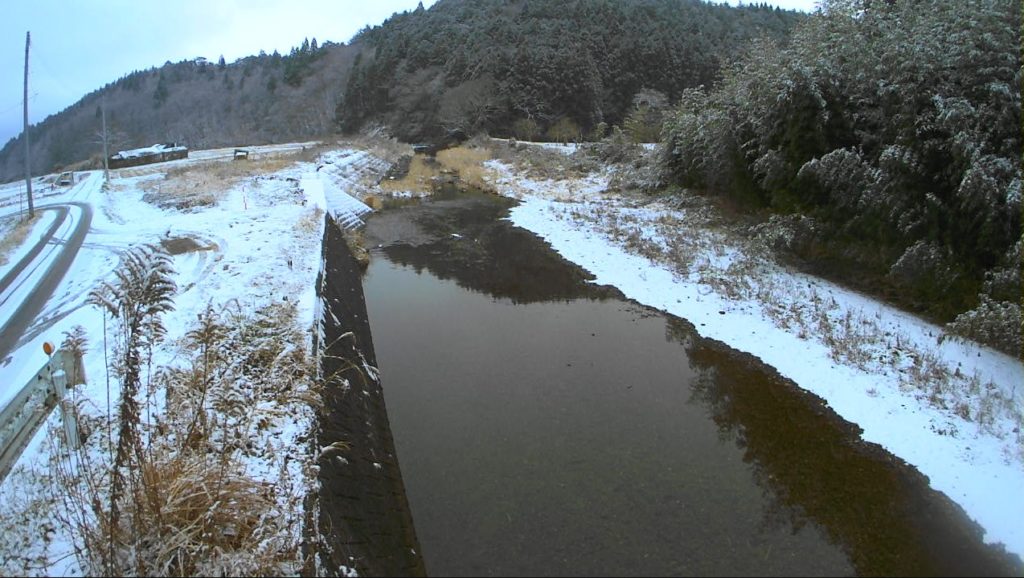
{"points": [[15, 236], [539, 162], [381, 146], [210, 491], [187, 186], [195, 511], [357, 245], [468, 164], [310, 220], [419, 179], [464, 165], [180, 245]]}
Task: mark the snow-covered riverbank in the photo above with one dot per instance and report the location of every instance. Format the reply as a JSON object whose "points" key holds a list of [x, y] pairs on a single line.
{"points": [[949, 408]]}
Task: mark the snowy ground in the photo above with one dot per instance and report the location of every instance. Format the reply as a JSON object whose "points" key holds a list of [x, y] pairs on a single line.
{"points": [[258, 244], [885, 370]]}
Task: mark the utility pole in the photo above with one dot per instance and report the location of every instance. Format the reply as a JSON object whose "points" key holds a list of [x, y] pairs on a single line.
{"points": [[28, 158], [106, 153]]}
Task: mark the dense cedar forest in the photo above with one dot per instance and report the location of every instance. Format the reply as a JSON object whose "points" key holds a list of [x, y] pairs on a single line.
{"points": [[886, 139], [477, 65], [532, 65], [879, 140]]}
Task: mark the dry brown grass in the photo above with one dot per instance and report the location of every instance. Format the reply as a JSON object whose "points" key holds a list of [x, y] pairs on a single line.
{"points": [[468, 164], [195, 515], [357, 245], [196, 509], [310, 220], [382, 147], [197, 185], [16, 236], [419, 179], [202, 496], [539, 162], [463, 162]]}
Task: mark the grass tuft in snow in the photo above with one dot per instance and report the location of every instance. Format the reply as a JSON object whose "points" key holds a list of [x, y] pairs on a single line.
{"points": [[12, 234], [468, 163], [211, 488], [418, 179]]}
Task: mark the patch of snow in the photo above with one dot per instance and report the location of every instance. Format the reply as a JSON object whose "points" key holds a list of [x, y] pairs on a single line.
{"points": [[259, 244]]}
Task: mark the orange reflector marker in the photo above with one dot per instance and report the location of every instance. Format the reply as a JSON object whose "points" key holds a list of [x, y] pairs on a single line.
{"points": [[47, 348]]}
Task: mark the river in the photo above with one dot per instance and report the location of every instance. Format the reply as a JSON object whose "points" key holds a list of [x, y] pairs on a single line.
{"points": [[547, 426]]}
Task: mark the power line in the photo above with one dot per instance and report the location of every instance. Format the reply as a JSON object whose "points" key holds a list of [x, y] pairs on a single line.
{"points": [[12, 107], [31, 98], [56, 79]]}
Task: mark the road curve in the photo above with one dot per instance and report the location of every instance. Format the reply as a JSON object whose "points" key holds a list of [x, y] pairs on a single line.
{"points": [[44, 239], [12, 331]]}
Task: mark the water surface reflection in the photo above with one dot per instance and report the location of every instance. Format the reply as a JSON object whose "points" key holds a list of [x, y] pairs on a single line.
{"points": [[545, 426]]}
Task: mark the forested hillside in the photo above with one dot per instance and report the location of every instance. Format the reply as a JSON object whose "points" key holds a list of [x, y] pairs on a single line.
{"points": [[542, 67], [883, 137], [886, 138], [532, 67], [256, 100]]}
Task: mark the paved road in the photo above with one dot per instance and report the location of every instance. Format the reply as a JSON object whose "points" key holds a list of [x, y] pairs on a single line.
{"points": [[13, 330], [44, 240]]}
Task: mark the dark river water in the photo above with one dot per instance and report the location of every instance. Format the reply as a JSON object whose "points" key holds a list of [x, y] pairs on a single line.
{"points": [[547, 426]]}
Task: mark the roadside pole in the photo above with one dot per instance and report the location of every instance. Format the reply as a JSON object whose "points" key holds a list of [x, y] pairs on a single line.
{"points": [[28, 158], [59, 379]]}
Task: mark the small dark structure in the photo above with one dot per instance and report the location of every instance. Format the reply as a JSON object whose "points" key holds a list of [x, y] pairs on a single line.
{"points": [[241, 154], [157, 153], [454, 137]]}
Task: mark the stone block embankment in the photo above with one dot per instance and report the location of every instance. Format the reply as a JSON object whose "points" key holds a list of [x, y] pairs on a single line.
{"points": [[364, 515]]}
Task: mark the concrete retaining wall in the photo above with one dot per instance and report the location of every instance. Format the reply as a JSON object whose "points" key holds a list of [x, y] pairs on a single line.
{"points": [[363, 511]]}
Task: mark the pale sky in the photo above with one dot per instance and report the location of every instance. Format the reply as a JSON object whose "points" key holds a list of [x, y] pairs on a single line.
{"points": [[80, 45]]}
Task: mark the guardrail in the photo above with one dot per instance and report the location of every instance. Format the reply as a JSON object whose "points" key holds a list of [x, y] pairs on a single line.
{"points": [[28, 410]]}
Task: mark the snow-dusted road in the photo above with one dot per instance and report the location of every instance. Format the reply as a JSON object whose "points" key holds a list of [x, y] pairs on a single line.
{"points": [[39, 275], [33, 279]]}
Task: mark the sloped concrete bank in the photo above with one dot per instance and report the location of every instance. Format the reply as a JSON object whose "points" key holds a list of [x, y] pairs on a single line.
{"points": [[364, 516]]}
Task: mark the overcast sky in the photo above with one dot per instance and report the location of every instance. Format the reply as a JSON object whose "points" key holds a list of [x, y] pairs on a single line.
{"points": [[80, 45]]}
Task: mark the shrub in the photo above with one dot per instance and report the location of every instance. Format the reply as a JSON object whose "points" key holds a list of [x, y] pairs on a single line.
{"points": [[178, 496], [997, 324], [565, 131], [525, 129]]}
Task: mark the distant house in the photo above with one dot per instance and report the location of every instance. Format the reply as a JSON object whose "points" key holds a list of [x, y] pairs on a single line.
{"points": [[157, 153]]}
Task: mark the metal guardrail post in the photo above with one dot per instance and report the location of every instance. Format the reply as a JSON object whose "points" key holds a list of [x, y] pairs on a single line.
{"points": [[27, 411], [67, 408]]}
